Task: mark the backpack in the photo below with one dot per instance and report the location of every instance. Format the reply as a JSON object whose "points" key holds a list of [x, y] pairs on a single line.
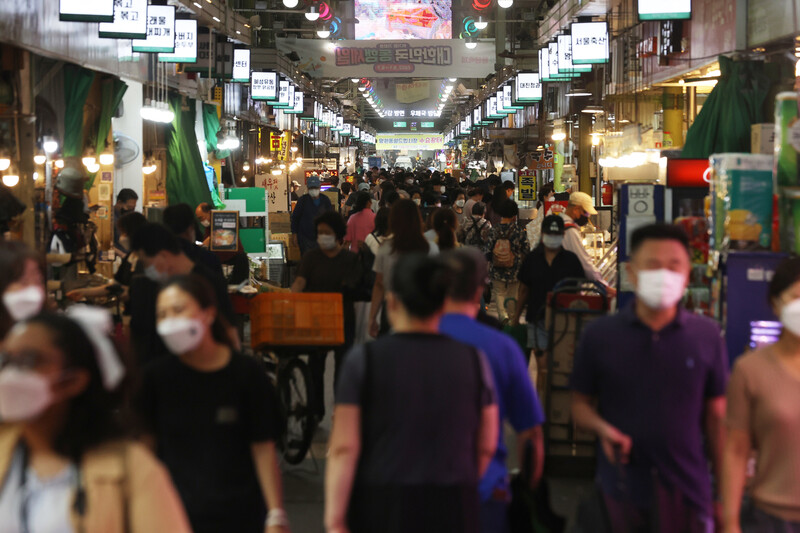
{"points": [[502, 256], [365, 277], [474, 235]]}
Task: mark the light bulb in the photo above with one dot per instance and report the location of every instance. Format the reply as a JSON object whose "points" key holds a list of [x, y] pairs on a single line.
{"points": [[290, 3], [4, 163], [232, 143], [481, 24], [312, 14], [246, 166], [471, 45], [276, 172], [40, 159], [9, 180], [293, 148], [244, 179], [559, 136], [505, 4], [354, 80], [362, 89], [323, 34], [59, 163], [89, 161], [93, 169], [299, 160], [50, 145], [149, 169], [106, 159], [282, 166]]}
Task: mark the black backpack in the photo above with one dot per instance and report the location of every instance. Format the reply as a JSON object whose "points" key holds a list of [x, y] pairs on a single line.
{"points": [[362, 292], [473, 236]]}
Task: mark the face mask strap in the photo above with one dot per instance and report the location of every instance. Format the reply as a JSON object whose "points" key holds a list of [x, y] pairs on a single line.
{"points": [[96, 323]]}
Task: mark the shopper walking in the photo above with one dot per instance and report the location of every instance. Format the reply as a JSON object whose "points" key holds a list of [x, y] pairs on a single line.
{"points": [[658, 375], [64, 460], [445, 224], [22, 285], [541, 270], [516, 400], [212, 418], [764, 416], [474, 231], [459, 204], [405, 228], [506, 247], [360, 223], [475, 197], [546, 194], [415, 424], [308, 208]]}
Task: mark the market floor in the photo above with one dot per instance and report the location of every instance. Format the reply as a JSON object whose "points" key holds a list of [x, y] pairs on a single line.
{"points": [[304, 483]]}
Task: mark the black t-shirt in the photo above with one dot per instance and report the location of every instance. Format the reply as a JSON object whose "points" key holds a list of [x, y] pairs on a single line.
{"points": [[204, 424], [541, 277], [328, 274], [224, 305], [198, 254]]}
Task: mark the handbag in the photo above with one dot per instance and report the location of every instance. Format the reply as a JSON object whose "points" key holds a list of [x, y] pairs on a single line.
{"points": [[529, 510]]}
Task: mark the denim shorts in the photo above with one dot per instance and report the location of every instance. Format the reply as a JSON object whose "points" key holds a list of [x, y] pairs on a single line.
{"points": [[538, 336]]}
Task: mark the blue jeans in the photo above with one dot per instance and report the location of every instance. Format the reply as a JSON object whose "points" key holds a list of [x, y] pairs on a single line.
{"points": [[494, 517], [754, 520]]}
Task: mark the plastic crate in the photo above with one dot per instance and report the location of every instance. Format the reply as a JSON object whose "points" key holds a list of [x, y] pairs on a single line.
{"points": [[297, 319]]}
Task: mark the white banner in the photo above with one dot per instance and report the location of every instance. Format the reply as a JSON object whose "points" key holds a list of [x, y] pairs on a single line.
{"points": [[410, 141], [390, 59]]}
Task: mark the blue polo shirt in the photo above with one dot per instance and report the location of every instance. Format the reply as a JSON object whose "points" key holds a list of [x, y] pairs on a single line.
{"points": [[516, 400], [653, 386]]}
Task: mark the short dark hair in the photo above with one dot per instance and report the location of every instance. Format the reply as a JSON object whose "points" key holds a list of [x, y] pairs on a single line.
{"points": [[154, 238], [382, 221], [786, 275], [178, 218], [474, 191], [658, 232], [129, 223], [479, 208], [14, 256], [205, 207], [362, 201], [420, 283], [201, 290], [390, 197], [346, 187], [508, 185], [508, 209], [127, 194], [334, 180], [335, 221], [469, 273], [545, 191]]}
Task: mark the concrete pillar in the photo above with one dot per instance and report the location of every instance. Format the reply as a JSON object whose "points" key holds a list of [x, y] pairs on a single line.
{"points": [[585, 153], [26, 130], [130, 124], [691, 105], [673, 116]]}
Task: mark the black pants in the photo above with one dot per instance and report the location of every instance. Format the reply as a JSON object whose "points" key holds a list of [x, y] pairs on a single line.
{"points": [[316, 364]]}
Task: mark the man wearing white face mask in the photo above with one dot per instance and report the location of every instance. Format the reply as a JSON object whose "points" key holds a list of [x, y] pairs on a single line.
{"points": [[308, 208], [658, 374]]}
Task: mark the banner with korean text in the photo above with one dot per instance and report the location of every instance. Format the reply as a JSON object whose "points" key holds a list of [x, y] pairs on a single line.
{"points": [[418, 58], [410, 141]]}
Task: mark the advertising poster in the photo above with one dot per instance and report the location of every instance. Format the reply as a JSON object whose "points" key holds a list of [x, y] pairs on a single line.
{"points": [[224, 231], [410, 141]]}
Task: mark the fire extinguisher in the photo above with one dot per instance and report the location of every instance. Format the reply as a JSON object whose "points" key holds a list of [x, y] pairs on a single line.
{"points": [[608, 193]]}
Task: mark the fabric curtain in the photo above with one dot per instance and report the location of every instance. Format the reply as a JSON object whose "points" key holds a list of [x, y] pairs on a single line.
{"points": [[186, 177], [77, 81], [113, 90], [735, 103], [212, 127]]}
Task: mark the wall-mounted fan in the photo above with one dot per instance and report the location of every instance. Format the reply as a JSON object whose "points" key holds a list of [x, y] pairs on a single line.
{"points": [[125, 150]]}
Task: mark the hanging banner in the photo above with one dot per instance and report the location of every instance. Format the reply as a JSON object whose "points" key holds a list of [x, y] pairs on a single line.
{"points": [[185, 43], [408, 93], [86, 10], [390, 59], [130, 21], [160, 31], [410, 141]]}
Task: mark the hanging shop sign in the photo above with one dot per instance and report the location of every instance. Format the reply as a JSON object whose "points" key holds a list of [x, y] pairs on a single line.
{"points": [[507, 100], [661, 10], [241, 65], [527, 87], [398, 124], [160, 31], [224, 231], [224, 63], [275, 190], [526, 184], [410, 141], [339, 123], [544, 65], [476, 118], [390, 59], [552, 57], [356, 132], [347, 130], [565, 64], [86, 10], [589, 42], [283, 95], [298, 104], [671, 37], [264, 86], [130, 21], [206, 54], [185, 43]]}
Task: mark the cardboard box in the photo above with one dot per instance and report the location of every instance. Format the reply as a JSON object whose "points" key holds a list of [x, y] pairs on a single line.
{"points": [[280, 222], [292, 250], [762, 139], [560, 402]]}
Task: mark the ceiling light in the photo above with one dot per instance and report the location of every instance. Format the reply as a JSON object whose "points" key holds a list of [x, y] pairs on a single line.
{"points": [[4, 163], [246, 166], [281, 166], [40, 159], [559, 136], [148, 169], [59, 163], [198, 5], [312, 14], [106, 159], [596, 140], [238, 32], [471, 43], [362, 89], [323, 33], [89, 161], [452, 79], [578, 92], [480, 24], [93, 169], [290, 3], [354, 80], [623, 121], [244, 179], [505, 4], [50, 145], [10, 180], [593, 110], [215, 18], [293, 148], [276, 172]]}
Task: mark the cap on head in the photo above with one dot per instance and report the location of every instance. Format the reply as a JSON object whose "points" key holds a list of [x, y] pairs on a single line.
{"points": [[70, 182], [313, 182], [553, 225], [296, 183], [363, 187], [584, 201]]}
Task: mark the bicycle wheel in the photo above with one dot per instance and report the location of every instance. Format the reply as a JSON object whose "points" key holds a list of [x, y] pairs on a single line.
{"points": [[296, 390]]}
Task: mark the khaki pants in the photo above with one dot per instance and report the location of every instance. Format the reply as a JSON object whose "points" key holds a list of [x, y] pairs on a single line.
{"points": [[502, 291]]}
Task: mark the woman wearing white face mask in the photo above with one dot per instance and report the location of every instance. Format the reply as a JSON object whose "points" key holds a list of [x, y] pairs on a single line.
{"points": [[764, 415], [458, 206], [64, 461], [212, 417], [331, 268], [21, 285]]}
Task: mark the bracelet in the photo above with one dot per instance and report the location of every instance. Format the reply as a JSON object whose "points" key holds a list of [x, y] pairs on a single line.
{"points": [[277, 517]]}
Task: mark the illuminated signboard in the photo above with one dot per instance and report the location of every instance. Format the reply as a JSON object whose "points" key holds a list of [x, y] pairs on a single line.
{"points": [[241, 65], [544, 65], [356, 132], [528, 87], [298, 104], [347, 130], [476, 117], [426, 124], [660, 10], [507, 102], [552, 56], [565, 64], [86, 10], [185, 43], [130, 21], [589, 43], [160, 31], [399, 124], [283, 95], [264, 86]]}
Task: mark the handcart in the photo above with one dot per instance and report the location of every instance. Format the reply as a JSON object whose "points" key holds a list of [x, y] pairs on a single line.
{"points": [[295, 327], [571, 305]]}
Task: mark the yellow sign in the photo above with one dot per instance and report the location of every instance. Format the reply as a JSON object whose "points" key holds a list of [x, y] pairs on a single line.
{"points": [[527, 185]]}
